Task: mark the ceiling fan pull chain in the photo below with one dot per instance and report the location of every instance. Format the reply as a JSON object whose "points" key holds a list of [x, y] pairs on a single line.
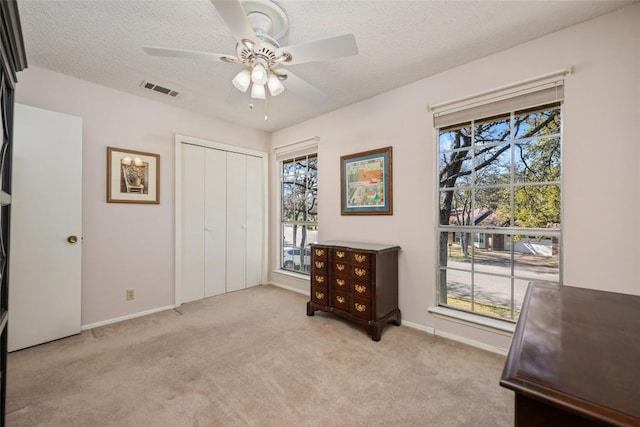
{"points": [[266, 117]]}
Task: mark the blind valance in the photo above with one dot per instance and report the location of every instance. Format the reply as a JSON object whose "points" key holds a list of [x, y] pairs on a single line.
{"points": [[530, 94], [296, 149]]}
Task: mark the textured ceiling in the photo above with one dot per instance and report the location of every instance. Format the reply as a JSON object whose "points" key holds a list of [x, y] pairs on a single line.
{"points": [[399, 42]]}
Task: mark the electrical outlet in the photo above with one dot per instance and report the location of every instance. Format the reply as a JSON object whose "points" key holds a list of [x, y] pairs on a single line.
{"points": [[130, 294]]}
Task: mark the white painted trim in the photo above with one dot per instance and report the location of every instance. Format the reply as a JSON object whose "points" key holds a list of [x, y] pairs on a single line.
{"points": [[302, 277], [219, 146], [289, 288], [454, 337], [470, 319], [177, 274], [127, 317], [183, 139]]}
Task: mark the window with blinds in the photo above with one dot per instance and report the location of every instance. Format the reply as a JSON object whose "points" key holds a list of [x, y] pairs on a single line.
{"points": [[499, 186]]}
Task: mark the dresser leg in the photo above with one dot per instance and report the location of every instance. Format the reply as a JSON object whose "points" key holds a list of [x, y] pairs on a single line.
{"points": [[375, 331], [310, 311], [398, 320]]}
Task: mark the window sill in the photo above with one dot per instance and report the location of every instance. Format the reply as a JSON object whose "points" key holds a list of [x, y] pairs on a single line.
{"points": [[470, 319], [293, 274]]}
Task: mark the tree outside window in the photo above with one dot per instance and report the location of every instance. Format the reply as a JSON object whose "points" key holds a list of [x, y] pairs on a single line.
{"points": [[299, 211], [499, 209]]}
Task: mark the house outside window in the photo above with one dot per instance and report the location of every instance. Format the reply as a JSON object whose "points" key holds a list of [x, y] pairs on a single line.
{"points": [[499, 175], [299, 211]]}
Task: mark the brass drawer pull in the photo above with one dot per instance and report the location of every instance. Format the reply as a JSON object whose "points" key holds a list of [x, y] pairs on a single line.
{"points": [[360, 307], [320, 252], [319, 279], [340, 299], [340, 282], [361, 289], [360, 258], [360, 272], [340, 267], [340, 254], [319, 264], [319, 295]]}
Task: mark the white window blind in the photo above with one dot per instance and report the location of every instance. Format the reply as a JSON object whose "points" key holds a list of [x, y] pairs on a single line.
{"points": [[547, 89], [296, 149]]}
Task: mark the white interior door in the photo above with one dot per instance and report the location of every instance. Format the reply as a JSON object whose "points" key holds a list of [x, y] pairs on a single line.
{"points": [[192, 227], [46, 210], [255, 221], [215, 233], [236, 221]]}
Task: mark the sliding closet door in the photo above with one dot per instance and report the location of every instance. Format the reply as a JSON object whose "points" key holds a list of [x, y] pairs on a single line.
{"points": [[221, 221], [215, 222], [255, 220], [193, 211], [236, 221]]}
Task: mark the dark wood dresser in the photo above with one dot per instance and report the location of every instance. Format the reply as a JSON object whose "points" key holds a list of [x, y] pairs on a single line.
{"points": [[357, 281], [575, 358]]}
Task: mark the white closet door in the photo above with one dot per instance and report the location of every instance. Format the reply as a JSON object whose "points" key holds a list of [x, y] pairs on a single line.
{"points": [[193, 208], [255, 213], [215, 222], [236, 221]]}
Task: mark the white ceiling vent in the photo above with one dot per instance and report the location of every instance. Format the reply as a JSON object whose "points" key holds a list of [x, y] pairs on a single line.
{"points": [[152, 86]]}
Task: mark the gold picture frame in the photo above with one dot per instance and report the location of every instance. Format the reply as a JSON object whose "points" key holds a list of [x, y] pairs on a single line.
{"points": [[366, 185], [132, 176]]}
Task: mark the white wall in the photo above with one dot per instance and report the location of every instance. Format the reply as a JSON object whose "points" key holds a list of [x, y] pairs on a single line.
{"points": [[125, 246], [601, 181]]}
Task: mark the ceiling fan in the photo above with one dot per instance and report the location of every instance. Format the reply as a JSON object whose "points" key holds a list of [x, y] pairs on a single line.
{"points": [[256, 26]]}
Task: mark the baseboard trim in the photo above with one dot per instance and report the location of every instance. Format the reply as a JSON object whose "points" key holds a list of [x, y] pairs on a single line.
{"points": [[289, 288], [126, 317], [455, 337]]}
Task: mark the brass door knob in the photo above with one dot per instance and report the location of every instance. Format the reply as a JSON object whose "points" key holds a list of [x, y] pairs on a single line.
{"points": [[72, 239]]}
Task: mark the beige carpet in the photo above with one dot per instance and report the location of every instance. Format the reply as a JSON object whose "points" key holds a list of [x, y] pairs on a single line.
{"points": [[254, 358]]}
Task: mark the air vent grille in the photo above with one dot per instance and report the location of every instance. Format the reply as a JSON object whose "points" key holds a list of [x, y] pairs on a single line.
{"points": [[157, 88]]}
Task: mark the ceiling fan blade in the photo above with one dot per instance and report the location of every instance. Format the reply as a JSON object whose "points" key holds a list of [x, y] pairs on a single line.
{"points": [[192, 54], [303, 88], [319, 50], [235, 17]]}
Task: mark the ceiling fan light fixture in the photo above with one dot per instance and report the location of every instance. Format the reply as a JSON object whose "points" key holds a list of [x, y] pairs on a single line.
{"points": [[259, 74], [258, 92], [275, 85], [242, 80]]}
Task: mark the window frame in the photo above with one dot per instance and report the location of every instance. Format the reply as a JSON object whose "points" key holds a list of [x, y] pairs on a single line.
{"points": [[304, 267], [510, 230]]}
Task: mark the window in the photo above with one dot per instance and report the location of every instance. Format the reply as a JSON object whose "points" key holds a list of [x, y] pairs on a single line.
{"points": [[299, 220], [499, 205]]}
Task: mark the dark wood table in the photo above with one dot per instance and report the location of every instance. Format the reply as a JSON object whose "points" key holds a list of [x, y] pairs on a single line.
{"points": [[575, 358]]}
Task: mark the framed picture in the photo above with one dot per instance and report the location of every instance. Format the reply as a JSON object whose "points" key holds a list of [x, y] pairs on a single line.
{"points": [[132, 176], [366, 184]]}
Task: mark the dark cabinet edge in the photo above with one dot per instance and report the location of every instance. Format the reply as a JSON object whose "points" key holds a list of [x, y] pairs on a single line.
{"points": [[4, 316], [5, 198]]}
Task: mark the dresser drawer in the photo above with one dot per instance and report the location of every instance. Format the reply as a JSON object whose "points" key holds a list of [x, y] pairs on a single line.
{"points": [[361, 273], [319, 264], [361, 290], [340, 255], [361, 259], [341, 301], [360, 308], [319, 278], [341, 269], [319, 252], [340, 284], [320, 296]]}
